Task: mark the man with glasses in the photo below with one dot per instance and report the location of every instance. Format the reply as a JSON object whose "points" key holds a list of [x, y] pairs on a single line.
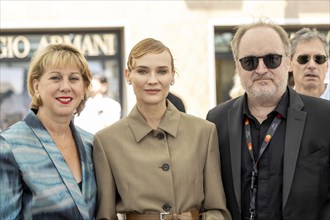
{"points": [[274, 143], [309, 54]]}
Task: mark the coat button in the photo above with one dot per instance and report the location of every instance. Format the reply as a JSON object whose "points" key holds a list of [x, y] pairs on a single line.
{"points": [[165, 167], [166, 207], [160, 136]]}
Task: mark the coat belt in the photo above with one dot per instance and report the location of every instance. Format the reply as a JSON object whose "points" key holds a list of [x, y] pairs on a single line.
{"points": [[193, 215]]}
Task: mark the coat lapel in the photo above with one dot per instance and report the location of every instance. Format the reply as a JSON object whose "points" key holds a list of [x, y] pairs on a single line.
{"points": [[293, 135], [59, 163], [235, 139], [86, 172]]}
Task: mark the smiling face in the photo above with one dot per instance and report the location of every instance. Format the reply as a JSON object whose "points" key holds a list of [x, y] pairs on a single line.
{"points": [[61, 91], [263, 83], [151, 77], [309, 76]]}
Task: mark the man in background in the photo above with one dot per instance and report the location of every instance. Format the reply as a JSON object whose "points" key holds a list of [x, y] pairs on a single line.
{"points": [[309, 66], [100, 110], [176, 101]]}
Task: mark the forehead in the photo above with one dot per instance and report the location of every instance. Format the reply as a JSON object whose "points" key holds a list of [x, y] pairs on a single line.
{"points": [[153, 59], [259, 41], [64, 69], [313, 46]]}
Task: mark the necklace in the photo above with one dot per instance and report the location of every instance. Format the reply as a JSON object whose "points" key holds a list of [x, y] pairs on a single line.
{"points": [[63, 147], [63, 142]]}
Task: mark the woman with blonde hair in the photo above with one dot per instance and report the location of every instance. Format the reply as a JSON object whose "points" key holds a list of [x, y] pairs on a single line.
{"points": [[46, 169], [157, 162]]}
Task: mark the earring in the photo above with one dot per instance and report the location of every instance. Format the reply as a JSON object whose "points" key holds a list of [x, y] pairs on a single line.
{"points": [[129, 82], [172, 83]]}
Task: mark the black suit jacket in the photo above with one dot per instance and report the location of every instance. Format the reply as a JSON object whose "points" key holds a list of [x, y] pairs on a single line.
{"points": [[306, 172], [176, 101]]}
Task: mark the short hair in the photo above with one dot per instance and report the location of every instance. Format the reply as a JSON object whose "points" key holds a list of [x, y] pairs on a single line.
{"points": [[307, 34], [57, 55], [148, 45], [241, 30]]}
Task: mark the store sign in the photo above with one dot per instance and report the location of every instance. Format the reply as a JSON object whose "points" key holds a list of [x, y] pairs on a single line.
{"points": [[23, 46]]}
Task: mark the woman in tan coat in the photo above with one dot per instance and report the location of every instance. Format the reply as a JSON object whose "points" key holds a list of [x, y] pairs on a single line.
{"points": [[157, 163]]}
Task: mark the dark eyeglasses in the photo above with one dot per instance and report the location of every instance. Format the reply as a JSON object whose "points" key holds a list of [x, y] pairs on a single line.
{"points": [[271, 61], [319, 59]]}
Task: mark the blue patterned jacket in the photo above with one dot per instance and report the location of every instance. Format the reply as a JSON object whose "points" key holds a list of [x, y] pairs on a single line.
{"points": [[35, 180]]}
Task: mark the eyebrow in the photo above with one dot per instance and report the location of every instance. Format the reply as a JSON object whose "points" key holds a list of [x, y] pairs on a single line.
{"points": [[161, 67], [62, 73], [158, 67]]}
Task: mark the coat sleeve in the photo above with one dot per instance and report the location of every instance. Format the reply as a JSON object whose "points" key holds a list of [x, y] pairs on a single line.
{"points": [[214, 205], [106, 199], [10, 184]]}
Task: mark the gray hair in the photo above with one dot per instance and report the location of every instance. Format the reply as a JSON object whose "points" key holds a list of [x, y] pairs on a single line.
{"points": [[306, 34], [263, 22]]}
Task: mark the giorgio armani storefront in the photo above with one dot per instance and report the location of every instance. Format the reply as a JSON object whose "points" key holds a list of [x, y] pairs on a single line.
{"points": [[102, 48]]}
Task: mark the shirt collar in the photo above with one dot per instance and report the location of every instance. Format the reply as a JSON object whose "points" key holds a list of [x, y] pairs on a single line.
{"points": [[140, 128]]}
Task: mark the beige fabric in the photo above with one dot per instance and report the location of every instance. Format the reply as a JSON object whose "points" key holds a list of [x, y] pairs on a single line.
{"points": [[130, 163], [193, 215]]}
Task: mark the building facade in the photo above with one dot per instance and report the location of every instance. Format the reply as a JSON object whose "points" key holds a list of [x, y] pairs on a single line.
{"points": [[197, 32]]}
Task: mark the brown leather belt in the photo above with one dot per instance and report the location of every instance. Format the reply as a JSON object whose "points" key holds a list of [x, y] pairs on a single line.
{"points": [[193, 215]]}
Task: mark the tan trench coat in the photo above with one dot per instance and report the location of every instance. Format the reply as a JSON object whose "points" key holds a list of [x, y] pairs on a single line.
{"points": [[175, 168]]}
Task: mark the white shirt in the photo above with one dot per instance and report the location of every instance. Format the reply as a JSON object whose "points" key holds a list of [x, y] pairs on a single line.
{"points": [[99, 112]]}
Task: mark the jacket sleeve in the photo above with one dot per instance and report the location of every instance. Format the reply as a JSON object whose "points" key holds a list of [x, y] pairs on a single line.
{"points": [[214, 205], [106, 199], [10, 184]]}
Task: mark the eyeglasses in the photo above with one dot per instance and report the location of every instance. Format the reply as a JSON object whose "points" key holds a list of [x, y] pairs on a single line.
{"points": [[271, 61], [319, 59]]}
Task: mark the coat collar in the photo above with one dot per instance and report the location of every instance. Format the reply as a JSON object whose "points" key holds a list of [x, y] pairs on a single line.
{"points": [[294, 129], [59, 163], [235, 118], [140, 128]]}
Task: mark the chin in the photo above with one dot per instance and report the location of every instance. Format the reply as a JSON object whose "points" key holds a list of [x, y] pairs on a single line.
{"points": [[154, 101]]}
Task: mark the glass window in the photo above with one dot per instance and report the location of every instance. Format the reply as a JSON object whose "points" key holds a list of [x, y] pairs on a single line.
{"points": [[102, 49]]}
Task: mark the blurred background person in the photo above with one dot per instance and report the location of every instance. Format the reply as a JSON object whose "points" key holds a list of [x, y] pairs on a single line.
{"points": [[100, 110], [46, 168], [12, 109], [309, 66], [176, 101], [237, 89]]}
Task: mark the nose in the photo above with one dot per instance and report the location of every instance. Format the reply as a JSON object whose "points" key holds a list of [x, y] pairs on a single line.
{"points": [[65, 85], [152, 79], [311, 64], [261, 68]]}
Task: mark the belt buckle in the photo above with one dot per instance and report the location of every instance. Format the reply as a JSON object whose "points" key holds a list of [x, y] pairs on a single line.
{"points": [[161, 215]]}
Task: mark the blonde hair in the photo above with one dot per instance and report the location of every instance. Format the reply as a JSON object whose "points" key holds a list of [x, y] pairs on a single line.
{"points": [[148, 45], [57, 55]]}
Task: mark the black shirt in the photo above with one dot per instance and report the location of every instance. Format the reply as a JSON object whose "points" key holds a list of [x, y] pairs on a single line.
{"points": [[270, 165]]}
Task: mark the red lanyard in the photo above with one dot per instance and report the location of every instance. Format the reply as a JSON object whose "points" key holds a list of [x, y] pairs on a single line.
{"points": [[254, 176]]}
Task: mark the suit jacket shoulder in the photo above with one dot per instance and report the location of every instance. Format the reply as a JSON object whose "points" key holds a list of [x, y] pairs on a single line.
{"points": [[30, 160]]}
